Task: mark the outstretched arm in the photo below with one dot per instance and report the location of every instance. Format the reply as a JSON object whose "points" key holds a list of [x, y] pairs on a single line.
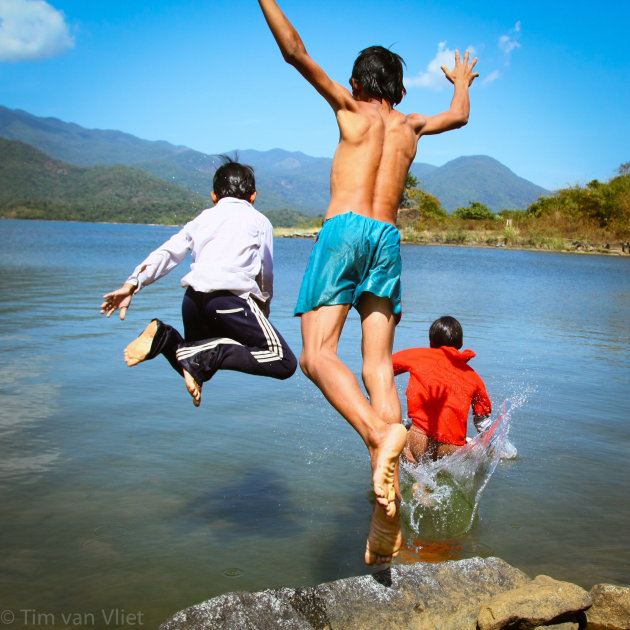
{"points": [[118, 299], [294, 53], [461, 76], [156, 265]]}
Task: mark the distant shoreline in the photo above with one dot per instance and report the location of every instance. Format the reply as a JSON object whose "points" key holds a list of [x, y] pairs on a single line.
{"points": [[560, 245], [556, 245]]}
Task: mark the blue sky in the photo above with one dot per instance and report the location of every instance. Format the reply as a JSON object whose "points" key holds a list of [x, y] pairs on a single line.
{"points": [[552, 102]]}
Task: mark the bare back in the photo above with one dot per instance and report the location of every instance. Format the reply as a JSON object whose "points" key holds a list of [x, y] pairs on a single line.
{"points": [[377, 143], [376, 147]]}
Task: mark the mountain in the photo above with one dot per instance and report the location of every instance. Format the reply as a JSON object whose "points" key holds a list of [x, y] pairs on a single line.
{"points": [[478, 178], [290, 180], [175, 164], [35, 186]]}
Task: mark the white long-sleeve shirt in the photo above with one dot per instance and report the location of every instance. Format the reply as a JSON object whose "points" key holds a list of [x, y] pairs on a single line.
{"points": [[232, 250]]}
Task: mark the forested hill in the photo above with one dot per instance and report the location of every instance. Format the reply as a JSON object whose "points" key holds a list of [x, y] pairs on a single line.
{"points": [[175, 164], [477, 178], [285, 179], [35, 186]]}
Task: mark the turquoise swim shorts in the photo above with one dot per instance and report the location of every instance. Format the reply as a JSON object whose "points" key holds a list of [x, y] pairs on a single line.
{"points": [[352, 254]]}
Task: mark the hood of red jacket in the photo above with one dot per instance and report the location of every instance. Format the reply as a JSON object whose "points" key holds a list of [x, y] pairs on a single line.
{"points": [[455, 355]]}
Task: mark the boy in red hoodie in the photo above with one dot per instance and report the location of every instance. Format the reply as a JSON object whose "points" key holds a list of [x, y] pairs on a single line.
{"points": [[442, 388]]}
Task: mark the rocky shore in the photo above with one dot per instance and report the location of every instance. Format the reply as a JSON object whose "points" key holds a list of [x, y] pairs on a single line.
{"points": [[473, 594]]}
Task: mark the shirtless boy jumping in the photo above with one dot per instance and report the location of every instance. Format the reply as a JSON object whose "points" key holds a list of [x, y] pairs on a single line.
{"points": [[356, 260]]}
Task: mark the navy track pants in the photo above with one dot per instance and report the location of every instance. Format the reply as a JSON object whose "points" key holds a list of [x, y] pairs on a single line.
{"points": [[224, 332]]}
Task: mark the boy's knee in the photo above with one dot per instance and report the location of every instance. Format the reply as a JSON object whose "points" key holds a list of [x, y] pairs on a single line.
{"points": [[306, 365], [310, 362], [378, 375]]}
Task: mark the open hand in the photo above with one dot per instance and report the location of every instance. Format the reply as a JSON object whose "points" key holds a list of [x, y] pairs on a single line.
{"points": [[118, 299], [462, 70]]}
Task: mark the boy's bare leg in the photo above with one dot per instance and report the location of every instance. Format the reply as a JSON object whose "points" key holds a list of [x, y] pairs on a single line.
{"points": [[420, 446], [417, 445], [194, 388], [378, 326], [443, 449], [384, 540], [321, 330], [138, 350]]}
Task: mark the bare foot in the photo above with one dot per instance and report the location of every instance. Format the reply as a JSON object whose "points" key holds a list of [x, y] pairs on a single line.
{"points": [[138, 350], [384, 540], [384, 461], [194, 389]]}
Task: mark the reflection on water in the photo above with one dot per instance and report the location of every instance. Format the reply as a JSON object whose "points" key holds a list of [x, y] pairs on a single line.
{"points": [[118, 493], [255, 501], [26, 402]]}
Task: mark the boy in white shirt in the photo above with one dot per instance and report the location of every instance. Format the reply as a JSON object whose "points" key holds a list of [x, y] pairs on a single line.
{"points": [[228, 291]]}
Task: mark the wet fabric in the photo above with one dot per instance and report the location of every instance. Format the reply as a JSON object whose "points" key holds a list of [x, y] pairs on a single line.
{"points": [[442, 388], [353, 254]]}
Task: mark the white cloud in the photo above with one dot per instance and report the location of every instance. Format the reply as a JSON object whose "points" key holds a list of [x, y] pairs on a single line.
{"points": [[31, 30], [434, 78], [507, 44], [493, 76], [509, 41]]}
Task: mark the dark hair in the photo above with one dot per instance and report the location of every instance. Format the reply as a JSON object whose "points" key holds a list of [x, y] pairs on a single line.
{"points": [[232, 179], [380, 72], [446, 331]]}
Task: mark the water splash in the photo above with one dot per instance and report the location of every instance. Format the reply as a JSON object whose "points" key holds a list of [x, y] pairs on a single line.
{"points": [[440, 499]]}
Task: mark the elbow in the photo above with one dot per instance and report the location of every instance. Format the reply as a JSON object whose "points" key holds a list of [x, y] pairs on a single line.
{"points": [[293, 52], [293, 57], [462, 120], [290, 58]]}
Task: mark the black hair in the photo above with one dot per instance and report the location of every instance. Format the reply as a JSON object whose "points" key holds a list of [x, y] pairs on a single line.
{"points": [[380, 72], [232, 179], [446, 331]]}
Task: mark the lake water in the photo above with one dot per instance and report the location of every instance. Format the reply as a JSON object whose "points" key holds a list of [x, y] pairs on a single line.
{"points": [[119, 498]]}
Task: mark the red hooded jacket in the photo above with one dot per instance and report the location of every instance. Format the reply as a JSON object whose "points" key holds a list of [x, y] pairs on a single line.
{"points": [[442, 388]]}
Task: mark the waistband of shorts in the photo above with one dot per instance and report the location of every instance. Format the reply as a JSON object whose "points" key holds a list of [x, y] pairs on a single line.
{"points": [[352, 215]]}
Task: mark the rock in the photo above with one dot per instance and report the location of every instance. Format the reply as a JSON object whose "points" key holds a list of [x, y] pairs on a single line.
{"points": [[444, 596], [541, 602], [611, 608]]}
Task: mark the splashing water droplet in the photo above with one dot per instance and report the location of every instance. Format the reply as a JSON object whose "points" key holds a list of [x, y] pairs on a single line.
{"points": [[440, 499]]}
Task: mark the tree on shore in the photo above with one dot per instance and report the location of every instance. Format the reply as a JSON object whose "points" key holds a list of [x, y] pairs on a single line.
{"points": [[476, 211], [596, 206], [417, 205]]}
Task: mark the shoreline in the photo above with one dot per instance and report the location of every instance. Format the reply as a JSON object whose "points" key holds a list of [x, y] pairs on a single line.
{"points": [[561, 245], [557, 245]]}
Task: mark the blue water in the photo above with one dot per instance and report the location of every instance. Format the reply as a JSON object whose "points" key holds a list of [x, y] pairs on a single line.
{"points": [[118, 495]]}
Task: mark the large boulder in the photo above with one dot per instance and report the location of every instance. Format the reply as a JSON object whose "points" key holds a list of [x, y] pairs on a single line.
{"points": [[444, 596], [541, 602], [611, 608]]}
